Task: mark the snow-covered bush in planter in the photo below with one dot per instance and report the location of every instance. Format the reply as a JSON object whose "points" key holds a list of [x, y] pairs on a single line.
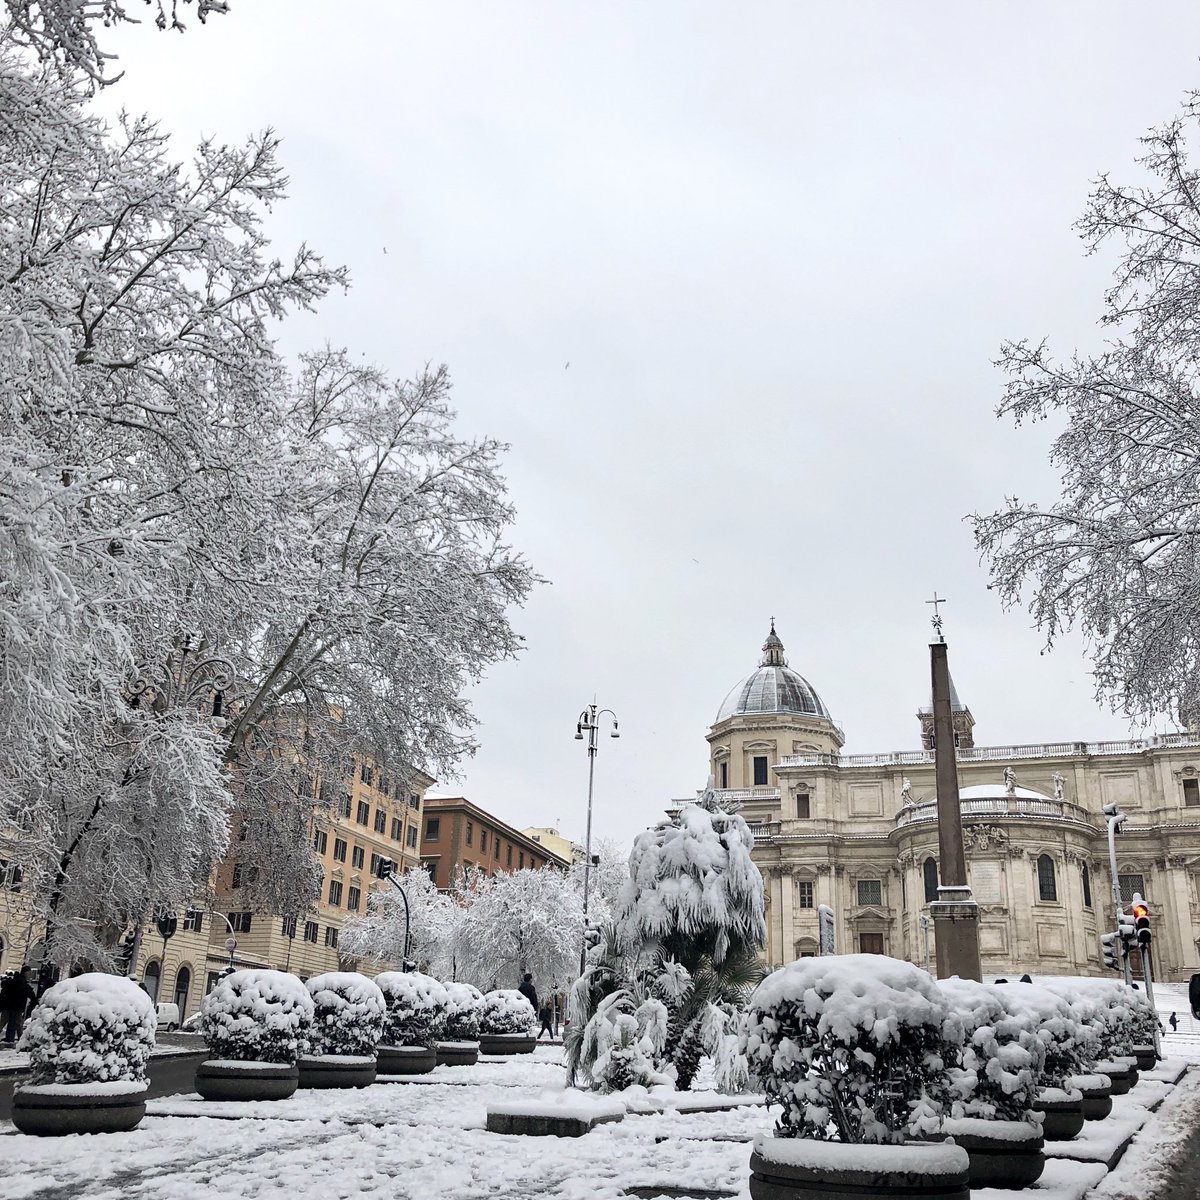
{"points": [[257, 1016], [417, 1006], [95, 1028], [348, 1012], [852, 1047], [507, 1012], [623, 1042], [1119, 1017], [996, 1069], [462, 1018]]}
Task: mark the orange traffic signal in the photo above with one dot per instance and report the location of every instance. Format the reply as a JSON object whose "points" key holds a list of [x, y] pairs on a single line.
{"points": [[1141, 920], [1140, 911]]}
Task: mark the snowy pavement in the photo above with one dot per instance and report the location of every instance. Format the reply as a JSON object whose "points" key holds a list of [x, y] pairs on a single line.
{"points": [[428, 1137]]}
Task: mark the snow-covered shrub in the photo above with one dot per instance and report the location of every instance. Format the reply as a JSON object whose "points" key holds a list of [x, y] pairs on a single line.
{"points": [[1119, 1017], [623, 1042], [257, 1016], [416, 1008], [995, 1070], [1068, 1045], [95, 1028], [348, 1011], [852, 1046], [506, 1011], [462, 1019]]}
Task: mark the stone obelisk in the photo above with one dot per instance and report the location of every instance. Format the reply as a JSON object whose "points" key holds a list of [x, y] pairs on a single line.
{"points": [[955, 914]]}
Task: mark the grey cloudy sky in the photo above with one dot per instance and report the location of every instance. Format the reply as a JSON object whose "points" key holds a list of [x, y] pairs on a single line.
{"points": [[778, 245]]}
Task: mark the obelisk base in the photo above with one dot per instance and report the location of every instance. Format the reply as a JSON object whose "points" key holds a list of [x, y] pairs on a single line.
{"points": [[956, 934]]}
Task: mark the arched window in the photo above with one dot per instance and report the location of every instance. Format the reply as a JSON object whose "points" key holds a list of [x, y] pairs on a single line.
{"points": [[183, 984], [1086, 877], [929, 870], [151, 980], [1047, 884]]}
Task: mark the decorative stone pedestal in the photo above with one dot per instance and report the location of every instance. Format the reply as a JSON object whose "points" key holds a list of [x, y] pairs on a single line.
{"points": [[336, 1071], [55, 1109], [457, 1054], [506, 1043], [227, 1080], [405, 1060]]}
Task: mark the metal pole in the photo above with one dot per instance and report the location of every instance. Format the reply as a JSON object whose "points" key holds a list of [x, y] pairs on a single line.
{"points": [[1113, 820], [587, 846], [1148, 979], [407, 922]]}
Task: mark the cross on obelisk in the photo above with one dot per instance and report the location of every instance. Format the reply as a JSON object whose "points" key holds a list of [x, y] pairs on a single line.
{"points": [[955, 913]]}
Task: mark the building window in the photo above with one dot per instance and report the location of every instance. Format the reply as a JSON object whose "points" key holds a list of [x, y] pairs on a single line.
{"points": [[1191, 793], [1130, 886], [804, 893], [930, 873], [870, 891], [760, 770], [240, 922], [356, 858], [1047, 883], [289, 927], [366, 773], [335, 891], [311, 932], [376, 863], [385, 784], [724, 775], [353, 898], [521, 860], [320, 841], [331, 936], [410, 837], [11, 875], [397, 829], [237, 875], [193, 921], [497, 851], [380, 820], [430, 865], [470, 832], [339, 849], [414, 802], [803, 805], [1085, 877], [363, 815], [508, 856], [344, 806], [433, 826]]}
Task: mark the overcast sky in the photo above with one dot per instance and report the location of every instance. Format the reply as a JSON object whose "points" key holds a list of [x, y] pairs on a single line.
{"points": [[729, 279]]}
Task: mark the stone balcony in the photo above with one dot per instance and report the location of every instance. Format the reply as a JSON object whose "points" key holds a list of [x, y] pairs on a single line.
{"points": [[1004, 808]]}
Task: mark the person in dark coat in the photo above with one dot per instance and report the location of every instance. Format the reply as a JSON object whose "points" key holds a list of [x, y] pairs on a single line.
{"points": [[1173, 1021], [17, 997], [546, 1016], [527, 990]]}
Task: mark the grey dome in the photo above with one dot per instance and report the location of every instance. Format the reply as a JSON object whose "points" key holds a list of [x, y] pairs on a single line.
{"points": [[773, 688]]}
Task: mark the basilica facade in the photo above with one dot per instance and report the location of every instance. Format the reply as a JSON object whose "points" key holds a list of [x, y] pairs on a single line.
{"points": [[858, 833]]}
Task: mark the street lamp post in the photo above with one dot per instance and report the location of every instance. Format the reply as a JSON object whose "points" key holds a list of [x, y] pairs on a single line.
{"points": [[589, 720], [1115, 818]]}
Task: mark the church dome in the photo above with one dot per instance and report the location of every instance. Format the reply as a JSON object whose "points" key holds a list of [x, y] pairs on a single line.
{"points": [[773, 688]]}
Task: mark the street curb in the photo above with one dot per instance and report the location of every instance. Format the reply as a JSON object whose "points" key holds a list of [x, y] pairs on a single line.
{"points": [[168, 1054]]}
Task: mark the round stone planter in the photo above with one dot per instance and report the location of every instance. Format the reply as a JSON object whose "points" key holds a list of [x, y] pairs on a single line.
{"points": [[223, 1079], [457, 1054], [799, 1169], [506, 1043], [406, 1060], [1003, 1154], [1062, 1114], [55, 1109], [1120, 1077], [1147, 1059], [1097, 1095], [336, 1071]]}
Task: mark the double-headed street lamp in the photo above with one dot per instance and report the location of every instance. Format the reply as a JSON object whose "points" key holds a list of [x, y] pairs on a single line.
{"points": [[589, 720]]}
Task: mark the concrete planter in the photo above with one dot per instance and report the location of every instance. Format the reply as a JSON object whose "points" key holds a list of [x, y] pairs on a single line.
{"points": [[798, 1169], [55, 1109], [1120, 1076], [1062, 1119], [336, 1071], [457, 1054], [219, 1079], [406, 1060], [1097, 1095], [506, 1043], [1146, 1057], [1004, 1156]]}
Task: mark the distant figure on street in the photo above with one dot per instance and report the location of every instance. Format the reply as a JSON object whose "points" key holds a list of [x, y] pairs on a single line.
{"points": [[546, 1016], [17, 997], [1173, 1021], [529, 991]]}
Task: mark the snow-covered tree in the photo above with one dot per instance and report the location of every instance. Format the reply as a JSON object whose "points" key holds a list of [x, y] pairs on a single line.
{"points": [[606, 879], [1116, 554], [518, 922], [379, 935]]}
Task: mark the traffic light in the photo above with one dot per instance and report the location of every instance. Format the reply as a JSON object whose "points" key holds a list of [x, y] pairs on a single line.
{"points": [[1141, 918], [386, 868], [1126, 931], [1110, 949], [124, 953], [591, 936]]}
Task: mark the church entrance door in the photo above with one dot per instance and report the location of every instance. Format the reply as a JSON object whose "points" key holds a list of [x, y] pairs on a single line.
{"points": [[870, 943]]}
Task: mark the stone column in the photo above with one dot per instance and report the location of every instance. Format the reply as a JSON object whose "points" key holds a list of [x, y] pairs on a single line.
{"points": [[787, 916]]}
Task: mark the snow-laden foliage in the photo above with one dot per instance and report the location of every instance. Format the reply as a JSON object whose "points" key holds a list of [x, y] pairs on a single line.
{"points": [[462, 1017], [1119, 1018], [852, 1046], [348, 1012], [518, 922], [417, 1006], [91, 1029], [1116, 554], [691, 880], [996, 1063], [257, 1016], [605, 879], [213, 564], [623, 1042], [379, 935], [1069, 1045], [506, 1011]]}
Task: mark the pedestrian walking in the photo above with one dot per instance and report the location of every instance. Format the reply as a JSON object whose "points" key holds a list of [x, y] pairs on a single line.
{"points": [[546, 1016], [16, 999], [1173, 1021], [527, 990]]}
